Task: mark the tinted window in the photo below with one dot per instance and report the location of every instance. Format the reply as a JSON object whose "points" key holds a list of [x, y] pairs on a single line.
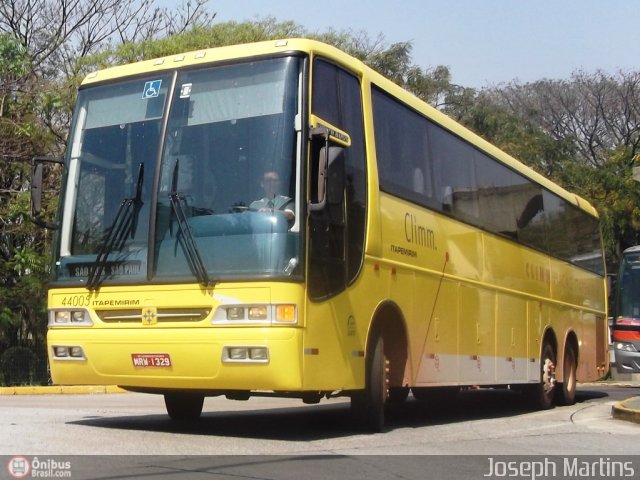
{"points": [[427, 164], [527, 200], [495, 190], [402, 150], [455, 175], [628, 300], [573, 235]]}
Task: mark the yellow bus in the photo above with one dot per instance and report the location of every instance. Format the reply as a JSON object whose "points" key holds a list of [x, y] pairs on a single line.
{"points": [[278, 219]]}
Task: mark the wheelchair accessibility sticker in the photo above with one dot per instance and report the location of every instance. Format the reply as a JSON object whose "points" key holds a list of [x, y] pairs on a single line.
{"points": [[151, 89]]}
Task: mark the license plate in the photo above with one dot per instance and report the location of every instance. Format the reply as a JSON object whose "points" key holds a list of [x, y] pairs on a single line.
{"points": [[151, 360]]}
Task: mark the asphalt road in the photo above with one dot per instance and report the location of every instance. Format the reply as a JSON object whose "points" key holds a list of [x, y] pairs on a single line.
{"points": [[316, 438]]}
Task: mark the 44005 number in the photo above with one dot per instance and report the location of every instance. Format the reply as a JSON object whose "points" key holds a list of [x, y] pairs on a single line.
{"points": [[76, 300]]}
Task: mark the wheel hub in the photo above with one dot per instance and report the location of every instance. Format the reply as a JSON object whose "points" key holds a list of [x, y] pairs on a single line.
{"points": [[548, 375]]}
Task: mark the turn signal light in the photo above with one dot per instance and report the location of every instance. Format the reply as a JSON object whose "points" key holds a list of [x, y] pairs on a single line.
{"points": [[286, 313]]}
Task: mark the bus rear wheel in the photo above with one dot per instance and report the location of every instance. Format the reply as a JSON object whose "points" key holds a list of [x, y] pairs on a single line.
{"points": [[183, 406], [367, 406], [566, 391], [542, 394]]}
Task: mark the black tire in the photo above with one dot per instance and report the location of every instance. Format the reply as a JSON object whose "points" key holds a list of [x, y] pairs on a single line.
{"points": [[367, 406], [184, 406], [541, 395], [566, 391]]}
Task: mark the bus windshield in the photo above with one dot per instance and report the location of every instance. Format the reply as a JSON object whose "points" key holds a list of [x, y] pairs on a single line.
{"points": [[628, 296], [216, 189]]}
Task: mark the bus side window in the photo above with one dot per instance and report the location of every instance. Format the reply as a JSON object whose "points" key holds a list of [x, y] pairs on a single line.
{"points": [[402, 150]]}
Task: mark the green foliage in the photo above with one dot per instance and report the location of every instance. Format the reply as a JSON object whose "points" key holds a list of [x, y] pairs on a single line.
{"points": [[13, 57], [218, 35], [24, 248], [18, 366], [520, 137], [615, 195]]}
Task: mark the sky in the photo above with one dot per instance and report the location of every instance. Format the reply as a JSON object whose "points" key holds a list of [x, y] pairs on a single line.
{"points": [[483, 42]]}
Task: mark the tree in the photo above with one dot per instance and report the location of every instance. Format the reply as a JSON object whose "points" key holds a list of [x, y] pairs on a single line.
{"points": [[42, 43], [593, 122], [518, 136], [13, 67], [598, 112], [57, 32], [615, 195]]}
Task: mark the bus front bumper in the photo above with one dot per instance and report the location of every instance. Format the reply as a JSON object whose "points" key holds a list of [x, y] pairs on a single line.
{"points": [[627, 361], [207, 359]]}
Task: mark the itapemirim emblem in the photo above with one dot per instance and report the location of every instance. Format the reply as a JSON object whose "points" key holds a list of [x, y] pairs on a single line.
{"points": [[149, 316]]}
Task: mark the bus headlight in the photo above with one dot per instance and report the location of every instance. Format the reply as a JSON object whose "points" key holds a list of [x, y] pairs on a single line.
{"points": [[60, 352], [280, 313], [259, 354], [63, 316], [70, 318], [258, 313], [626, 347], [65, 352], [238, 354], [235, 313]]}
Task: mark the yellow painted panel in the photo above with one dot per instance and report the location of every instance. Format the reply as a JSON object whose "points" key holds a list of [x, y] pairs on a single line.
{"points": [[434, 340], [511, 326], [196, 360], [573, 285], [511, 339], [515, 268], [477, 335]]}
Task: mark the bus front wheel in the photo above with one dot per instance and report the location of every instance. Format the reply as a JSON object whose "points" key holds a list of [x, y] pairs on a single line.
{"points": [[367, 406], [183, 406]]}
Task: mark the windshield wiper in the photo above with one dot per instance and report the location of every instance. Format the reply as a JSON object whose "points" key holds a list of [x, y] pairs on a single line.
{"points": [[185, 234], [124, 224]]}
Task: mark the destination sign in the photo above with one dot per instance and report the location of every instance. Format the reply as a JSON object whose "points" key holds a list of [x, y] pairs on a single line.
{"points": [[110, 269]]}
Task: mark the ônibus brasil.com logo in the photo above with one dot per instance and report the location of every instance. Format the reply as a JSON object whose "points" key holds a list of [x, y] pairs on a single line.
{"points": [[20, 467]]}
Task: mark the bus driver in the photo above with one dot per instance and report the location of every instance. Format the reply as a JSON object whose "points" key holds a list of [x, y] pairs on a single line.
{"points": [[272, 200]]}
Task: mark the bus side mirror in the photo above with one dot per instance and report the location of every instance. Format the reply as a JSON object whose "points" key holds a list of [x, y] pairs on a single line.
{"points": [[37, 176], [329, 171]]}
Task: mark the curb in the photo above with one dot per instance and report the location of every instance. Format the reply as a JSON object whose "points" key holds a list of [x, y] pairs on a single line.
{"points": [[61, 389], [623, 411]]}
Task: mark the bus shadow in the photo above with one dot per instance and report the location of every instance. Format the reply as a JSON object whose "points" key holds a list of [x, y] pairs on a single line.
{"points": [[299, 423], [331, 420]]}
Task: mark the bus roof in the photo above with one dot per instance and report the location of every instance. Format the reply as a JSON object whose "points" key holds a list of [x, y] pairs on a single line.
{"points": [[211, 55]]}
